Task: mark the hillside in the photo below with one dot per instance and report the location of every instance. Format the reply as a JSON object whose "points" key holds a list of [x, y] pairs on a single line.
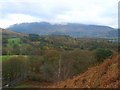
{"points": [[105, 75], [9, 33], [72, 29]]}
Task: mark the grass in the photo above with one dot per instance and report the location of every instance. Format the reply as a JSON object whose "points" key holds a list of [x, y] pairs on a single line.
{"points": [[7, 57]]}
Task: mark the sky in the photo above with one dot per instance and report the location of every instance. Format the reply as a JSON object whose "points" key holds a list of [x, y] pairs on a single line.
{"points": [[98, 12]]}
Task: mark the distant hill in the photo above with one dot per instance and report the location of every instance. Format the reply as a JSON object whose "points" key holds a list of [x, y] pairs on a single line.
{"points": [[72, 29], [105, 75], [9, 33]]}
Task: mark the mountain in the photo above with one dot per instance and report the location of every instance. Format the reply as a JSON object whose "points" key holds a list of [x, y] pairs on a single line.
{"points": [[72, 29], [105, 75]]}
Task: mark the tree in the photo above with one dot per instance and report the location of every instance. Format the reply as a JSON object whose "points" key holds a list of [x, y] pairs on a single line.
{"points": [[14, 70], [101, 54], [51, 67]]}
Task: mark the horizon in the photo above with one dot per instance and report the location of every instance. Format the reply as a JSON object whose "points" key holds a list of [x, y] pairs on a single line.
{"points": [[88, 12]]}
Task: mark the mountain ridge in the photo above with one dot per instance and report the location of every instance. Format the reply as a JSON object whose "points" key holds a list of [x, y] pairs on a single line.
{"points": [[72, 29]]}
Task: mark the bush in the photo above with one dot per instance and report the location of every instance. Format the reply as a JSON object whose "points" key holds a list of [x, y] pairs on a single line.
{"points": [[102, 54]]}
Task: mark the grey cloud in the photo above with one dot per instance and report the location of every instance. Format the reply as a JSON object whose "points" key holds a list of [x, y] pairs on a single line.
{"points": [[80, 11], [32, 8]]}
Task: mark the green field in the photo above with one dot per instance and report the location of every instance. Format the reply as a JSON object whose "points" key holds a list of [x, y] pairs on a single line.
{"points": [[14, 42], [7, 57]]}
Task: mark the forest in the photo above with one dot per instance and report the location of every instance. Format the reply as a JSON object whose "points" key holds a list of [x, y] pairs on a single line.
{"points": [[51, 58]]}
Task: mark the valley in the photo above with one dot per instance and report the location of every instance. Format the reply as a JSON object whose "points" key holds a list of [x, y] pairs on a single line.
{"points": [[44, 60]]}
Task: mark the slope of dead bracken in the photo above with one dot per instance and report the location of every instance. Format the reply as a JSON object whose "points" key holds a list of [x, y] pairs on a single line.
{"points": [[104, 75]]}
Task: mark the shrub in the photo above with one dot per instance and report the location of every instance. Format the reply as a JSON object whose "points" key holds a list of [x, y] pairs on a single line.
{"points": [[101, 54]]}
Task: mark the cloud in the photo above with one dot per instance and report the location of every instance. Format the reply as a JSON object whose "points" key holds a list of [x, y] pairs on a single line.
{"points": [[11, 19], [103, 12]]}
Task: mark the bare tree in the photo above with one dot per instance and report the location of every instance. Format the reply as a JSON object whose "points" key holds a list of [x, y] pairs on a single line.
{"points": [[59, 67]]}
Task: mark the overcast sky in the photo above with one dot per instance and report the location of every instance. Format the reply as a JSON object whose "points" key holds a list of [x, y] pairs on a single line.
{"points": [[100, 12]]}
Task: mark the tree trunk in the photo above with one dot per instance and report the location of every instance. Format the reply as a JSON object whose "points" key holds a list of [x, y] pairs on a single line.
{"points": [[59, 68]]}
